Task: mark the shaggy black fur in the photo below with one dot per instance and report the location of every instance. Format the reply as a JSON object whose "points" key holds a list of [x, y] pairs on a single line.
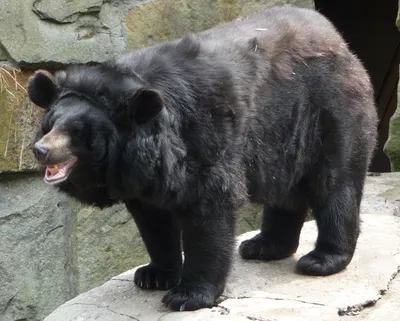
{"points": [[272, 109]]}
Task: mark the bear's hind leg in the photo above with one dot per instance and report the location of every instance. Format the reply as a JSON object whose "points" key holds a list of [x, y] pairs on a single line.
{"points": [[161, 236], [337, 216], [279, 236]]}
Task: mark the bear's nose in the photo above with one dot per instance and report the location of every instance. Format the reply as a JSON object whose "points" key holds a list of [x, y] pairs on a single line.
{"points": [[40, 151]]}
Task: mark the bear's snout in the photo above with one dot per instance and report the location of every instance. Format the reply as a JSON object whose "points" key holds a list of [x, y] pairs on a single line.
{"points": [[40, 152], [53, 148]]}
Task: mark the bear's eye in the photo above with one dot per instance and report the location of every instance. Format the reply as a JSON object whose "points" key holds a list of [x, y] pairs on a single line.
{"points": [[47, 123], [77, 127]]}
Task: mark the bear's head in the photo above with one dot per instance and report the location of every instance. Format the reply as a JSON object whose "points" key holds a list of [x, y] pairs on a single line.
{"points": [[86, 111]]}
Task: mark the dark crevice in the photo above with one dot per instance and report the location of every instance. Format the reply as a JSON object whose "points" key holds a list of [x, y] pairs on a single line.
{"points": [[165, 314], [259, 319], [9, 303], [357, 308], [53, 229], [72, 18], [6, 53]]}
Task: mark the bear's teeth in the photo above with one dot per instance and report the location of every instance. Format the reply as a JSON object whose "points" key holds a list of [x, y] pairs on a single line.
{"points": [[53, 169]]}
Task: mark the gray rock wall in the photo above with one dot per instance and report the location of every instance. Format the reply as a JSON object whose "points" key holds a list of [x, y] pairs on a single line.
{"points": [[52, 248], [37, 248]]}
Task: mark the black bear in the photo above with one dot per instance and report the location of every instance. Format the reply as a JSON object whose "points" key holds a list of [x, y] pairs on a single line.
{"points": [[272, 109]]}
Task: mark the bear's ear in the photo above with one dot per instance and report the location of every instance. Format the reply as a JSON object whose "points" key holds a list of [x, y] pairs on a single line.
{"points": [[42, 88], [145, 105]]}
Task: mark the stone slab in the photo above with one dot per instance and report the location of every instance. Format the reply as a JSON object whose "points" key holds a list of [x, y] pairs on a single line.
{"points": [[387, 308], [43, 32], [264, 290], [37, 250], [382, 194], [52, 248]]}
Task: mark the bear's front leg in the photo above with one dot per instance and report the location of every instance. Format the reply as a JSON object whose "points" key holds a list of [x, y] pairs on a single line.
{"points": [[208, 242], [161, 235]]}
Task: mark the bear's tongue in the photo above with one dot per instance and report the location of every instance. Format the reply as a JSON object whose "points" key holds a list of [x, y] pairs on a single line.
{"points": [[57, 173]]}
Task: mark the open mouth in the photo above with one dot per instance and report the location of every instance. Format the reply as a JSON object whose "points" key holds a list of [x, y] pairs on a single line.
{"points": [[58, 173]]}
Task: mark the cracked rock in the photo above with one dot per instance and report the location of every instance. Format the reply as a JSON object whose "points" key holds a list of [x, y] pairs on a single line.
{"points": [[65, 11], [387, 308]]}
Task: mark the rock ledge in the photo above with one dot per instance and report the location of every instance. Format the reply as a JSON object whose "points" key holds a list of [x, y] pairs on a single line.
{"points": [[369, 289]]}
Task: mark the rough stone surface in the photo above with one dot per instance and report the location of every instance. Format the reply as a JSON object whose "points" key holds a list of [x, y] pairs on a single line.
{"points": [[382, 194], [65, 11], [266, 291], [107, 241], [52, 248], [385, 309], [37, 250], [40, 32], [3, 54]]}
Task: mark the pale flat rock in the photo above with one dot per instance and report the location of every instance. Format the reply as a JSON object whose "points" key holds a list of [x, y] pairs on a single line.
{"points": [[266, 290], [387, 308], [382, 194]]}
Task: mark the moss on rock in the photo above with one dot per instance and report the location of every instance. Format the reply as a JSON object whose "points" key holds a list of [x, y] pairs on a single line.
{"points": [[160, 20], [392, 146]]}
